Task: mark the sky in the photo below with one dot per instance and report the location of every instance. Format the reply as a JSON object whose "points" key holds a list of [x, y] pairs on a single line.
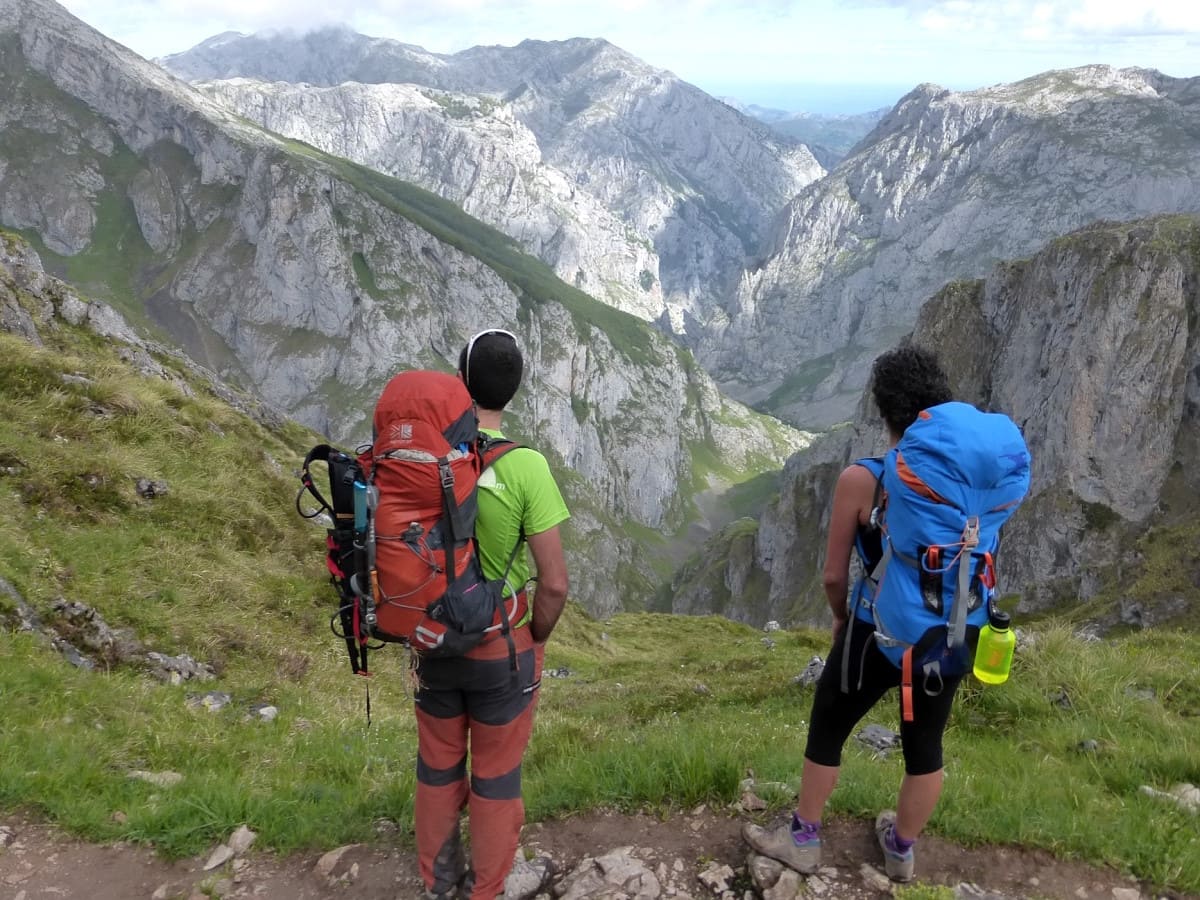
{"points": [[819, 56]]}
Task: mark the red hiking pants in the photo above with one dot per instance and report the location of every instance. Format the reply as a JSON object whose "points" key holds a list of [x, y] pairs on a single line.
{"points": [[473, 704]]}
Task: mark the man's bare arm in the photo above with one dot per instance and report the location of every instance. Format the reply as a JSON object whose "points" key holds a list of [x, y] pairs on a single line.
{"points": [[551, 595]]}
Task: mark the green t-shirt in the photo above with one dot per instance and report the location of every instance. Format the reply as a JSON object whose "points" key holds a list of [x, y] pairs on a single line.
{"points": [[516, 491]]}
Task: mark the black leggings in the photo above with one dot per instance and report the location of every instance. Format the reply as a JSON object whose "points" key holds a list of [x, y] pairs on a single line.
{"points": [[835, 714]]}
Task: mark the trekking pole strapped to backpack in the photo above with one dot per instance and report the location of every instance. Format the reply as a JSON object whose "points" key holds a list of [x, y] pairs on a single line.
{"points": [[344, 543]]}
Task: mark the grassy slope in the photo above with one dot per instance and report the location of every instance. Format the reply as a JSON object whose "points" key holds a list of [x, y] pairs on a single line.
{"points": [[222, 568]]}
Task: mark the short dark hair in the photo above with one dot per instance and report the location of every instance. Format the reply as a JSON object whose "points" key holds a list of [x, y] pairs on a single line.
{"points": [[493, 373], [905, 381]]}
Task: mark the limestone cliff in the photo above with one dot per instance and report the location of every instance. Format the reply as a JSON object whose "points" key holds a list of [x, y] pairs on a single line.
{"points": [[473, 151], [695, 179]]}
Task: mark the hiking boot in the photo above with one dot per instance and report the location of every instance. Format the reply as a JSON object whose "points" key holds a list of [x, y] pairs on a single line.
{"points": [[780, 843], [899, 865], [461, 891], [449, 869]]}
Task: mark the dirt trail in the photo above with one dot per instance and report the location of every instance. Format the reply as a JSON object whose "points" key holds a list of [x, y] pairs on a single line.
{"points": [[41, 863]]}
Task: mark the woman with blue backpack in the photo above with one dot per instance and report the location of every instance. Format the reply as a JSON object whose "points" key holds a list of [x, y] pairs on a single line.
{"points": [[924, 521]]}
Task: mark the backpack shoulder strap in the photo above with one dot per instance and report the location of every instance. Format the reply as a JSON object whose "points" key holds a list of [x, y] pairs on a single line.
{"points": [[874, 465], [492, 448]]}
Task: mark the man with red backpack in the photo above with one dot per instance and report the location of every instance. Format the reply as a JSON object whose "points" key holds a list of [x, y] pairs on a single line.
{"points": [[479, 701]]}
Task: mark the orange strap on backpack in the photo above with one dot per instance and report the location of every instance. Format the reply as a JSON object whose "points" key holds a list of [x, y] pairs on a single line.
{"points": [[906, 686]]}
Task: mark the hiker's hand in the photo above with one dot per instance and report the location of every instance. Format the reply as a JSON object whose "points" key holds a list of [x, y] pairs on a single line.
{"points": [[839, 626]]}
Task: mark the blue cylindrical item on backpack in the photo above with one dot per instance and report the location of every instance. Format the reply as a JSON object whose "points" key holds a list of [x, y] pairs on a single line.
{"points": [[360, 506]]}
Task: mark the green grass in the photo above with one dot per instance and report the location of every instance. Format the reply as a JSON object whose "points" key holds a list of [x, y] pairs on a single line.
{"points": [[923, 892], [217, 568], [660, 713], [639, 734]]}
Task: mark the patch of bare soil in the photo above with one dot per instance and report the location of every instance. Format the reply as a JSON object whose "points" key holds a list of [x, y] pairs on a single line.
{"points": [[41, 863]]}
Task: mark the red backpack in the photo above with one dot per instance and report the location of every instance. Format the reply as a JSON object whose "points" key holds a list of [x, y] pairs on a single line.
{"points": [[407, 568], [427, 583]]}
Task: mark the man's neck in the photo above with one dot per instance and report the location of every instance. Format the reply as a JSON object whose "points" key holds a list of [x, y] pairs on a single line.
{"points": [[489, 418]]}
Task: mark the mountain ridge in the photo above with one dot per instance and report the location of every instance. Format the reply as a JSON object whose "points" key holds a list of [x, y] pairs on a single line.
{"points": [[697, 180], [945, 185]]}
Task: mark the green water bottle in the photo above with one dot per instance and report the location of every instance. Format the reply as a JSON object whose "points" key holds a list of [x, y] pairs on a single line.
{"points": [[993, 655]]}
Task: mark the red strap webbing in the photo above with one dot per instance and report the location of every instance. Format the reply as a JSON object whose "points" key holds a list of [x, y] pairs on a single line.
{"points": [[906, 686]]}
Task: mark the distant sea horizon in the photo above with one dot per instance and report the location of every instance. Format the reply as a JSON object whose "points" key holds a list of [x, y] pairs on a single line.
{"points": [[820, 99]]}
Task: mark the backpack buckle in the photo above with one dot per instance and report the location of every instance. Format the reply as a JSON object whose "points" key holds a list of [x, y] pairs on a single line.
{"points": [[446, 473], [970, 533]]}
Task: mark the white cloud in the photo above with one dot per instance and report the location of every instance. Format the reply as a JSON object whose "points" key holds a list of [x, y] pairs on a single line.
{"points": [[1057, 19], [147, 25], [722, 45]]}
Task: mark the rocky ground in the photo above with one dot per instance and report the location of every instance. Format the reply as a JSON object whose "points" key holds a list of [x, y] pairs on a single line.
{"points": [[604, 856]]}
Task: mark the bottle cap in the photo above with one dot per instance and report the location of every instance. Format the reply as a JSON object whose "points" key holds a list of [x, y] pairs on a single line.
{"points": [[999, 620]]}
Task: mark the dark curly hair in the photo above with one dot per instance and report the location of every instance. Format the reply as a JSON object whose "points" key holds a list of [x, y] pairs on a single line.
{"points": [[493, 373], [905, 381]]}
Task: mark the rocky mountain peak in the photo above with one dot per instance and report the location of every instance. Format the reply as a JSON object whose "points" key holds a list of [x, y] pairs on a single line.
{"points": [[947, 185], [218, 39], [1050, 92]]}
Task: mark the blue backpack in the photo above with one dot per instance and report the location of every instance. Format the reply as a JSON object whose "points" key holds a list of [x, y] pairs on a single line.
{"points": [[954, 478]]}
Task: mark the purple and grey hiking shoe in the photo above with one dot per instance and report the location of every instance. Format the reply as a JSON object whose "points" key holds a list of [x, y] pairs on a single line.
{"points": [[797, 849], [898, 863]]}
